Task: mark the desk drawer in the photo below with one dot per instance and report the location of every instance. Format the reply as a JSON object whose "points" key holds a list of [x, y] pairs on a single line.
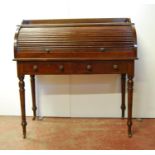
{"points": [[99, 67], [45, 67], [75, 67]]}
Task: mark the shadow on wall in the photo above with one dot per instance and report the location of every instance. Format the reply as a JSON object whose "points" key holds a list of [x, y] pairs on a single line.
{"points": [[78, 95], [79, 84]]}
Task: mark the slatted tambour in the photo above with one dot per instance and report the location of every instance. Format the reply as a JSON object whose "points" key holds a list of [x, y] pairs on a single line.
{"points": [[71, 38]]}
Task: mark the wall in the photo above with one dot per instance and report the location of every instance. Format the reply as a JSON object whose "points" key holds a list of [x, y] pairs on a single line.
{"points": [[78, 95]]}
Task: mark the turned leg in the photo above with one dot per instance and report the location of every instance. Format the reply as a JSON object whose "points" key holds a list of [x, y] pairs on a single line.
{"points": [[22, 102], [123, 84], [34, 107], [130, 98]]}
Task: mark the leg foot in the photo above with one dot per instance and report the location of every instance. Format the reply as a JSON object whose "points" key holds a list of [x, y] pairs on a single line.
{"points": [[129, 123], [34, 118], [130, 135], [24, 129]]}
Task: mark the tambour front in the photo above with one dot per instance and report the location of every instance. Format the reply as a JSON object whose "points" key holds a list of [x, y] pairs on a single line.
{"points": [[76, 46]]}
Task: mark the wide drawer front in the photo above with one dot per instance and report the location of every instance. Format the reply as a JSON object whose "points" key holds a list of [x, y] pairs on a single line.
{"points": [[86, 67]]}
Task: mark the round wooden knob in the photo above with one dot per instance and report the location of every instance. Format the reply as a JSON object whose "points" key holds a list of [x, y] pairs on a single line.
{"points": [[61, 68], [35, 67], [115, 67], [89, 67], [47, 50], [102, 49]]}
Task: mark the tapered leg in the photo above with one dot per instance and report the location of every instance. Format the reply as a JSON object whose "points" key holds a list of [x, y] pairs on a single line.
{"points": [[34, 107], [123, 84], [22, 102], [130, 98]]}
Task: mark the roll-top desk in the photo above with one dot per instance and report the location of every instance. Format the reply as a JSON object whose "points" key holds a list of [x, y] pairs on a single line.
{"points": [[76, 46]]}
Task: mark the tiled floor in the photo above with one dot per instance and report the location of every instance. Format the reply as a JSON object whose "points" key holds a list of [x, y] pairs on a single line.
{"points": [[76, 133]]}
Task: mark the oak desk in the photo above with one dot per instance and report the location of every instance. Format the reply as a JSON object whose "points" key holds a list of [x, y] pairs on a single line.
{"points": [[76, 46]]}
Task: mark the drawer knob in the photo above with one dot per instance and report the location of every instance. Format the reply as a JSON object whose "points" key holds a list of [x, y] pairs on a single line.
{"points": [[115, 67], [102, 49], [35, 68], [61, 68], [89, 67], [47, 50]]}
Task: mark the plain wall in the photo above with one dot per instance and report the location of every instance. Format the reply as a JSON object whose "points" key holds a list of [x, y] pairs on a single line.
{"points": [[78, 95]]}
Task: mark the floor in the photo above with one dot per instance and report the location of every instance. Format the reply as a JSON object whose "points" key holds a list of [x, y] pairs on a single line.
{"points": [[76, 134]]}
